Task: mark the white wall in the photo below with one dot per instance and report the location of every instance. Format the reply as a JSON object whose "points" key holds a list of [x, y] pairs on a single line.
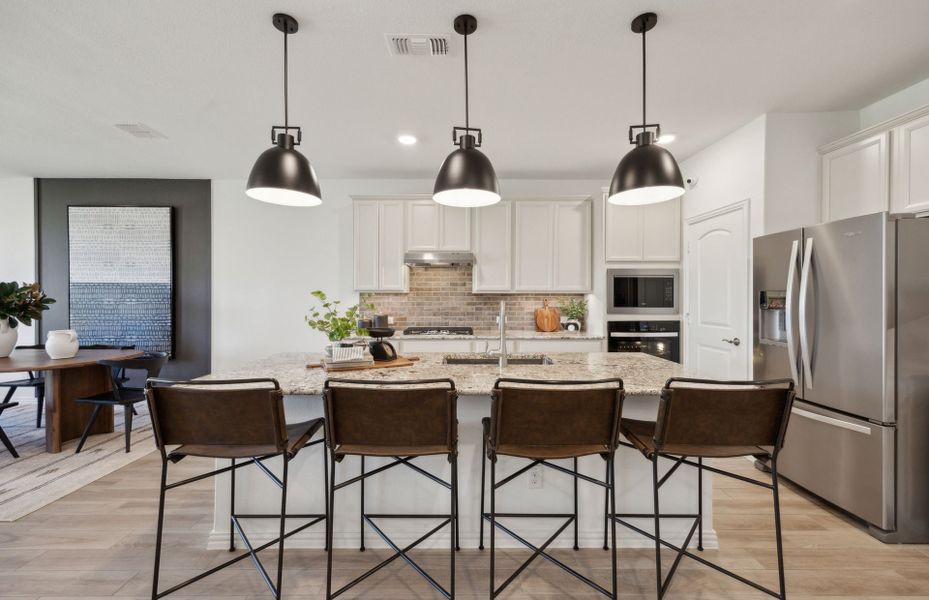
{"points": [[728, 171], [792, 177], [907, 99], [267, 259], [17, 244]]}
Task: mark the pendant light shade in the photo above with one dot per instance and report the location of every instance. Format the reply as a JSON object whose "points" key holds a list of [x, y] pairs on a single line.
{"points": [[648, 174], [467, 178], [282, 175]]}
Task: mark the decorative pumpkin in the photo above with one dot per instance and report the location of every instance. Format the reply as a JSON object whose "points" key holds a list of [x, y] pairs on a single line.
{"points": [[547, 318]]}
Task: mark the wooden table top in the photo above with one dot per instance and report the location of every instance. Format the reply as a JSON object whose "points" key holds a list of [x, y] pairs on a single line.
{"points": [[37, 360]]}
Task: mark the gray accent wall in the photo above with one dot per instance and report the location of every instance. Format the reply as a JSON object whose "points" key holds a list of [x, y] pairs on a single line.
{"points": [[190, 199]]}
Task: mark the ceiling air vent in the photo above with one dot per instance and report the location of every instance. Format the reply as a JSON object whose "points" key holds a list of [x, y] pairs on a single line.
{"points": [[402, 44], [141, 130]]}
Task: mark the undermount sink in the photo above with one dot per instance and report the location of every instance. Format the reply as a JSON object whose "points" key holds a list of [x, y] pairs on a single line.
{"points": [[485, 359]]}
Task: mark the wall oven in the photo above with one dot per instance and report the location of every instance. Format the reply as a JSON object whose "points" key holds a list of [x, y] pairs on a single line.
{"points": [[658, 338], [642, 291]]}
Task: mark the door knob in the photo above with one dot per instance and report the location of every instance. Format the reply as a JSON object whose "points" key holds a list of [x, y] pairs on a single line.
{"points": [[733, 341]]}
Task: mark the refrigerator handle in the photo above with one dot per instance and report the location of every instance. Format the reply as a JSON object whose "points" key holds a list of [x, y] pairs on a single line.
{"points": [[789, 311], [805, 346]]}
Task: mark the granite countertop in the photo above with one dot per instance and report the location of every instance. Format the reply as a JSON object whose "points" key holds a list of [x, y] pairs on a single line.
{"points": [[642, 374], [493, 334]]}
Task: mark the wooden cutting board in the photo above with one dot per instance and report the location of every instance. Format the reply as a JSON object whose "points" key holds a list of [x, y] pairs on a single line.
{"points": [[547, 318], [400, 361]]}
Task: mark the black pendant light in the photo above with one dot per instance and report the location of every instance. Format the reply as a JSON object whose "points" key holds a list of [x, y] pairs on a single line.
{"points": [[282, 175], [466, 179], [648, 173]]}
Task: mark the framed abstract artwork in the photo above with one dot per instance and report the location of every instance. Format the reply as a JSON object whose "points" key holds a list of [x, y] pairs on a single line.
{"points": [[121, 276]]}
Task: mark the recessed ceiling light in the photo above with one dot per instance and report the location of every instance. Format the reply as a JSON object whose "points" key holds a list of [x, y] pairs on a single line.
{"points": [[406, 139], [667, 138]]}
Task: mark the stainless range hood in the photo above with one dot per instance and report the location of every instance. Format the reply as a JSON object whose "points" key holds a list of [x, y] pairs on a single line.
{"points": [[437, 259]]}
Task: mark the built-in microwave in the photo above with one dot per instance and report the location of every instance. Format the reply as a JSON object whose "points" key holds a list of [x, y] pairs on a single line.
{"points": [[642, 291]]}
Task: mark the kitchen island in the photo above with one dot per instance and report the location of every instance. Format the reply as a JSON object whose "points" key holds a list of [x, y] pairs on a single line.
{"points": [[401, 490]]}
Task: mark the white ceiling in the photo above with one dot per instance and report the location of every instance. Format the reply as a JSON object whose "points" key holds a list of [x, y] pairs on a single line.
{"points": [[554, 83]]}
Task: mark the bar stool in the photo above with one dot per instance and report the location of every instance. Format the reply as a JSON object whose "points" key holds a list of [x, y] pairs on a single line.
{"points": [[543, 421], [702, 418], [400, 420], [120, 394], [34, 380], [229, 419]]}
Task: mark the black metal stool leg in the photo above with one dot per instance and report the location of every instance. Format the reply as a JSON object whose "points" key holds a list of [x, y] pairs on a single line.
{"points": [[576, 547], [657, 524], [453, 524], [326, 494], [232, 507], [280, 545], [40, 405], [777, 529], [90, 423], [160, 528], [700, 504], [611, 491], [330, 528], [127, 425], [483, 477], [493, 519], [361, 520], [606, 504]]}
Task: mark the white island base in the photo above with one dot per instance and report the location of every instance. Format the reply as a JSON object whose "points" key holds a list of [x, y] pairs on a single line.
{"points": [[401, 490]]}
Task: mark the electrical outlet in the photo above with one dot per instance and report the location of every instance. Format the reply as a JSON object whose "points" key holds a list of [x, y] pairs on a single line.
{"points": [[535, 477]]}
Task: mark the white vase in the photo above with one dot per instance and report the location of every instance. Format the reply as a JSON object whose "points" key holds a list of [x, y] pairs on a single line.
{"points": [[61, 343], [8, 337]]}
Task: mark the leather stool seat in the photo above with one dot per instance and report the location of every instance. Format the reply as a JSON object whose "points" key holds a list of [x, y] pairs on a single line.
{"points": [[543, 452], [641, 434], [298, 434]]}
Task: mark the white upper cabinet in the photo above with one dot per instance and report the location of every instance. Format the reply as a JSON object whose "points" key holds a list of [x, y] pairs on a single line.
{"points": [[378, 244], [432, 226], [910, 185], [493, 248], [553, 246], [856, 178], [642, 233]]}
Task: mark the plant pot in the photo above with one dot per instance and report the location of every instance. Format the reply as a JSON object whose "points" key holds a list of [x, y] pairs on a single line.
{"points": [[8, 337]]}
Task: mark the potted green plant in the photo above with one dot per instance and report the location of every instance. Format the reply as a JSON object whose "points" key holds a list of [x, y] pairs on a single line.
{"points": [[325, 317], [19, 304], [574, 311]]}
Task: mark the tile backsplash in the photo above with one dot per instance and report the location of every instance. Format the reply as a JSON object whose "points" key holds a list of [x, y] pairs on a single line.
{"points": [[442, 296]]}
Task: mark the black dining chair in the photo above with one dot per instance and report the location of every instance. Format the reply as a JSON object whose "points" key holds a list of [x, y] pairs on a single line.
{"points": [[3, 437], [34, 381], [121, 394]]}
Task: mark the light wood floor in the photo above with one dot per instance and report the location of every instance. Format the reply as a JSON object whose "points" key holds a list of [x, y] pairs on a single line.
{"points": [[98, 543]]}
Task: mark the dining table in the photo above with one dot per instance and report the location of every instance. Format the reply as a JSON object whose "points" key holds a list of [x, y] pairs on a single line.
{"points": [[66, 380]]}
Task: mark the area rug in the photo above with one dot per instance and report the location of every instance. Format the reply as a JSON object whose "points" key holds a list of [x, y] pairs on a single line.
{"points": [[38, 478]]}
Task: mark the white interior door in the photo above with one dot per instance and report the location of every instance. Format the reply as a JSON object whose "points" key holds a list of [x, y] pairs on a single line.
{"points": [[718, 296]]}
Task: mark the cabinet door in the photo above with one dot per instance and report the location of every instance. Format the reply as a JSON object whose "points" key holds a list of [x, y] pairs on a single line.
{"points": [[661, 231], [572, 246], [910, 184], [455, 228], [535, 247], [422, 225], [622, 232], [493, 234], [365, 235], [392, 274], [855, 179]]}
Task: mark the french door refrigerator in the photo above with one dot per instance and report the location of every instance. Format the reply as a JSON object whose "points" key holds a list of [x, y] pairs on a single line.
{"points": [[843, 309]]}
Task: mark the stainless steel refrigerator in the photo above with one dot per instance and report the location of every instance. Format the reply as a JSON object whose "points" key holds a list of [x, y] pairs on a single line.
{"points": [[843, 309]]}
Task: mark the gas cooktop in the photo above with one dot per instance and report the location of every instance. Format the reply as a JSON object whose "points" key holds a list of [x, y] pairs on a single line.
{"points": [[439, 330]]}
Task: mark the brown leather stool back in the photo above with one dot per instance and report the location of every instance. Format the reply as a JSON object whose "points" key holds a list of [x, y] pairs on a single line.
{"points": [[701, 413], [538, 413], [382, 417], [219, 414]]}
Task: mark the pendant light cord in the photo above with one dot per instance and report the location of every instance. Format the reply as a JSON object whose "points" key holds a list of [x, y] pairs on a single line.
{"points": [[644, 121], [467, 100], [286, 121]]}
